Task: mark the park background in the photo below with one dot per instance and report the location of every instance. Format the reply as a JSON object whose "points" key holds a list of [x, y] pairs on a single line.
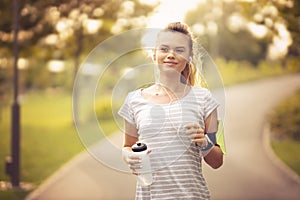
{"points": [[248, 40]]}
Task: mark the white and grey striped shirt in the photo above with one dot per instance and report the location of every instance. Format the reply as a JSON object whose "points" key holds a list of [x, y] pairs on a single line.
{"points": [[175, 161]]}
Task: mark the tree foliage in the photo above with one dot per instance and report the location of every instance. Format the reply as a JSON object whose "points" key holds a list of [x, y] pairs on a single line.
{"points": [[291, 15], [39, 19], [62, 29], [285, 120], [229, 42], [248, 31]]}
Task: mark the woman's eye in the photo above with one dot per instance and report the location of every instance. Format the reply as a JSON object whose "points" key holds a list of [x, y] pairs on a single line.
{"points": [[179, 50], [164, 49]]}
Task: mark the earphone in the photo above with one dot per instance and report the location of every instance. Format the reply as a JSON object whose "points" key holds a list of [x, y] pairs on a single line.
{"points": [[190, 59]]}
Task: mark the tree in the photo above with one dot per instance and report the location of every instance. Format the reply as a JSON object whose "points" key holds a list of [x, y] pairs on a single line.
{"points": [[32, 23], [249, 31], [223, 30], [64, 29], [290, 12]]}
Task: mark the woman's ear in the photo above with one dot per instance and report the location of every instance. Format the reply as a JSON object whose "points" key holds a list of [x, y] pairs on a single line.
{"points": [[154, 57], [153, 54]]}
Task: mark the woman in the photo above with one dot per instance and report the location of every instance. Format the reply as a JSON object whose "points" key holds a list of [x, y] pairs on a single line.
{"points": [[178, 122]]}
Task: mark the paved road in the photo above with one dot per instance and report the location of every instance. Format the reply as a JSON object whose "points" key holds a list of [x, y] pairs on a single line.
{"points": [[250, 170]]}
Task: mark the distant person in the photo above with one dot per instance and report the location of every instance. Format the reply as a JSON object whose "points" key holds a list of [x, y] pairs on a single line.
{"points": [[176, 119]]}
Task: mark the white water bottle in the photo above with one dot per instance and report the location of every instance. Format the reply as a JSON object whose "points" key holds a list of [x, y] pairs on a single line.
{"points": [[145, 175]]}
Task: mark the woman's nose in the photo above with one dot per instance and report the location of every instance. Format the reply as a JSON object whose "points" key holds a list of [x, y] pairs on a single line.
{"points": [[171, 54]]}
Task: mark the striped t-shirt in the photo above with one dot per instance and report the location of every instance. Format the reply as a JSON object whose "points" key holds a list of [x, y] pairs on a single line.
{"points": [[176, 162]]}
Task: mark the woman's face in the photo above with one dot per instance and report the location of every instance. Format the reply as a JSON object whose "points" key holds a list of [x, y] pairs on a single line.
{"points": [[172, 51]]}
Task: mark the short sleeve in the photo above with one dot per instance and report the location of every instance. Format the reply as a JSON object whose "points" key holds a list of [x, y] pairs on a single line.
{"points": [[126, 111], [210, 104]]}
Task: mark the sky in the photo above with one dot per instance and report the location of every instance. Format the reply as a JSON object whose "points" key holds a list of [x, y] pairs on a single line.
{"points": [[174, 10], [170, 11]]}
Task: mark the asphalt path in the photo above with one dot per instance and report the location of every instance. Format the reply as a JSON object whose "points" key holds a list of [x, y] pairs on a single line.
{"points": [[250, 170]]}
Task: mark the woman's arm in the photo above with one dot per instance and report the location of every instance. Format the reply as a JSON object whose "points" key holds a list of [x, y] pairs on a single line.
{"points": [[128, 140], [215, 157], [130, 130], [133, 162]]}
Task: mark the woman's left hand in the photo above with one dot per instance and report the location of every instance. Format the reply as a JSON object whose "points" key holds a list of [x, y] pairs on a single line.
{"points": [[196, 133]]}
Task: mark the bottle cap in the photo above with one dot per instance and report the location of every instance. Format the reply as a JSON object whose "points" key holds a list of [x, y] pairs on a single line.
{"points": [[138, 147]]}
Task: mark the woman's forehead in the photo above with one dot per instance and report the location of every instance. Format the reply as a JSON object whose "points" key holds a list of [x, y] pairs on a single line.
{"points": [[173, 39]]}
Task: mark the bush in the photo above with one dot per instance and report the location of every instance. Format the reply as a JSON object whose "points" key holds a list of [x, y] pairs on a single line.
{"points": [[293, 64], [103, 109], [285, 120]]}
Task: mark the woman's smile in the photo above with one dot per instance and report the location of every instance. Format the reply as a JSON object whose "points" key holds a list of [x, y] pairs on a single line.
{"points": [[172, 51], [170, 63]]}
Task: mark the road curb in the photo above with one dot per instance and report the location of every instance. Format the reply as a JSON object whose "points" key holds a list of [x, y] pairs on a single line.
{"points": [[56, 176], [37, 194], [274, 158]]}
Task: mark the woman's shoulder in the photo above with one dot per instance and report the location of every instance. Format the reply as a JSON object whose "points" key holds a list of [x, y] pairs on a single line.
{"points": [[134, 93], [199, 89]]}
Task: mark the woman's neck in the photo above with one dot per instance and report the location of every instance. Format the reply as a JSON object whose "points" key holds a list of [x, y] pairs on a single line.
{"points": [[172, 83]]}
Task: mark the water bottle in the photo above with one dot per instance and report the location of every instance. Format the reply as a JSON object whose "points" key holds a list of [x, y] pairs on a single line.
{"points": [[145, 175]]}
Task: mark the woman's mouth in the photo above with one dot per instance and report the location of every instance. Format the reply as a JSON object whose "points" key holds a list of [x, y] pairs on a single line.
{"points": [[170, 63]]}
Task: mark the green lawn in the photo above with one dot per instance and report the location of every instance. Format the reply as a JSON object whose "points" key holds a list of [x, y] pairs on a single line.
{"points": [[48, 138], [235, 72], [288, 152], [285, 129]]}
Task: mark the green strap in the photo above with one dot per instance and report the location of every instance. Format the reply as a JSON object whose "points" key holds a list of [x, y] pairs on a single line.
{"points": [[220, 136]]}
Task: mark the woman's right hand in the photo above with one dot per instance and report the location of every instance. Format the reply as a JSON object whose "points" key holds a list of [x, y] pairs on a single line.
{"points": [[134, 162]]}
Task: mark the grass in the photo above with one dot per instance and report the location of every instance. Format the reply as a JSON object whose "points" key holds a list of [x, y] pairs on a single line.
{"points": [[13, 195], [48, 138], [285, 121], [233, 72], [285, 129], [288, 152], [286, 118]]}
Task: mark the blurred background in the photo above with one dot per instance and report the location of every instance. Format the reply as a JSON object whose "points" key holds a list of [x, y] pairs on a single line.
{"points": [[247, 39]]}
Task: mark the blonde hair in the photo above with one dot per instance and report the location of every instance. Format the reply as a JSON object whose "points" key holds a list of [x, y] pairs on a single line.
{"points": [[189, 73]]}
